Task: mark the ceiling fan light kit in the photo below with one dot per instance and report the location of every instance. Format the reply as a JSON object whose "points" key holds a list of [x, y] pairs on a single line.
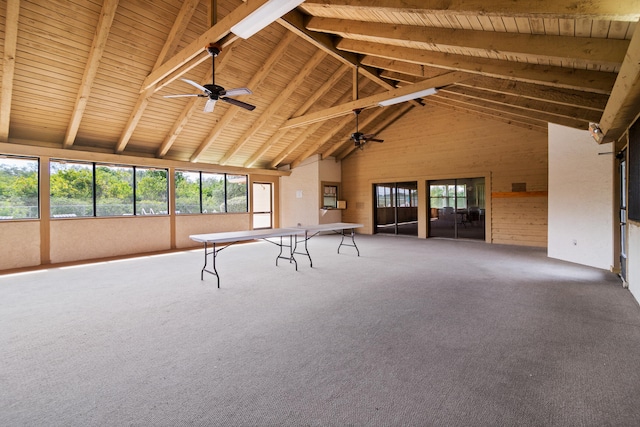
{"points": [[263, 16], [408, 97]]}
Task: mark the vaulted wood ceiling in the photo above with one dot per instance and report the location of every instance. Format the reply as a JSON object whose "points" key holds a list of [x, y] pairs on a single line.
{"points": [[92, 74]]}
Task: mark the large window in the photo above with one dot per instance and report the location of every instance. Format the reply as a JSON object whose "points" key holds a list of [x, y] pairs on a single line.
{"points": [[18, 188], [114, 190], [203, 192], [89, 189], [151, 192], [71, 189]]}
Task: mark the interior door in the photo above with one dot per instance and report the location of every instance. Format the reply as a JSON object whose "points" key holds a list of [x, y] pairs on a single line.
{"points": [[262, 197]]}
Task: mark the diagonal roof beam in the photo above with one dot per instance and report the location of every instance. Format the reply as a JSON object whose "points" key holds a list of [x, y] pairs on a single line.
{"points": [[8, 65], [585, 80], [628, 10], [363, 123], [606, 52], [294, 22], [624, 102], [372, 101], [103, 28], [186, 58], [275, 105], [404, 109], [170, 44], [311, 129], [255, 81], [326, 87]]}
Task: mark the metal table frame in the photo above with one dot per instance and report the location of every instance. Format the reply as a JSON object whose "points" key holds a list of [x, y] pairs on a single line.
{"points": [[212, 240], [341, 228], [233, 237]]}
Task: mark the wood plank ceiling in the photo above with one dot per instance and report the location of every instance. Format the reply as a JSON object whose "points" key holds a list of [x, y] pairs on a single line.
{"points": [[92, 74]]}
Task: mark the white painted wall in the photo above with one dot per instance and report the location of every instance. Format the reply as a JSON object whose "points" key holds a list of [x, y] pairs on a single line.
{"points": [[633, 259], [581, 191], [300, 193]]}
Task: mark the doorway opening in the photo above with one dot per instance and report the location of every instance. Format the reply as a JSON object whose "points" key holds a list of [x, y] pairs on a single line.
{"points": [[457, 208], [396, 208], [262, 212]]}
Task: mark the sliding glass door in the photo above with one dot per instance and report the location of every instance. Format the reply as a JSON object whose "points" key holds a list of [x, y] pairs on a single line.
{"points": [[396, 208], [457, 208]]}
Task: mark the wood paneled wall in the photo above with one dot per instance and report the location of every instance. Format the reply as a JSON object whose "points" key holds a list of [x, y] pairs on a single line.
{"points": [[432, 143]]}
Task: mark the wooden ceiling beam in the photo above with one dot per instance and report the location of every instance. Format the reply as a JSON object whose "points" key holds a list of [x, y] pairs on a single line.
{"points": [[628, 10], [186, 58], [624, 103], [275, 105], [311, 129], [501, 116], [294, 22], [173, 38], [526, 104], [8, 65], [103, 28], [602, 51], [326, 87], [588, 100], [512, 110], [569, 97], [373, 100], [584, 80]]}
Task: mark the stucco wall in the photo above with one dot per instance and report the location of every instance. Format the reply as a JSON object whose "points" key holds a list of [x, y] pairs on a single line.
{"points": [[581, 193]]}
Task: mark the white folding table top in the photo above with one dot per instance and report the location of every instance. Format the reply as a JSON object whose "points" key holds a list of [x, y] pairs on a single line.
{"points": [[329, 227], [237, 236]]}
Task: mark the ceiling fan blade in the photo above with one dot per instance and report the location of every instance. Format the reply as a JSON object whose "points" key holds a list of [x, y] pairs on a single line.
{"points": [[239, 103], [181, 96], [208, 107], [375, 140], [237, 91], [199, 86]]}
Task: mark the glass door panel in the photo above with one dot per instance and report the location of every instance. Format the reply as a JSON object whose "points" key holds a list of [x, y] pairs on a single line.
{"points": [[396, 208], [457, 208]]}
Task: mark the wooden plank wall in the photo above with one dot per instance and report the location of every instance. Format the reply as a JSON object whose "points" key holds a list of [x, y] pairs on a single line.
{"points": [[436, 143]]}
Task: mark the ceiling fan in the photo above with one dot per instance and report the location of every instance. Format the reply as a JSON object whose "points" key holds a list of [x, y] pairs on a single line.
{"points": [[359, 138], [214, 92]]}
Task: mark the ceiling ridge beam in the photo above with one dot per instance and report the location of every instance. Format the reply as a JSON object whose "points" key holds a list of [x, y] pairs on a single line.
{"points": [[311, 129], [255, 81], [319, 142], [294, 22], [276, 104], [185, 58], [608, 52], [569, 78], [373, 100], [103, 28], [170, 44], [627, 10]]}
